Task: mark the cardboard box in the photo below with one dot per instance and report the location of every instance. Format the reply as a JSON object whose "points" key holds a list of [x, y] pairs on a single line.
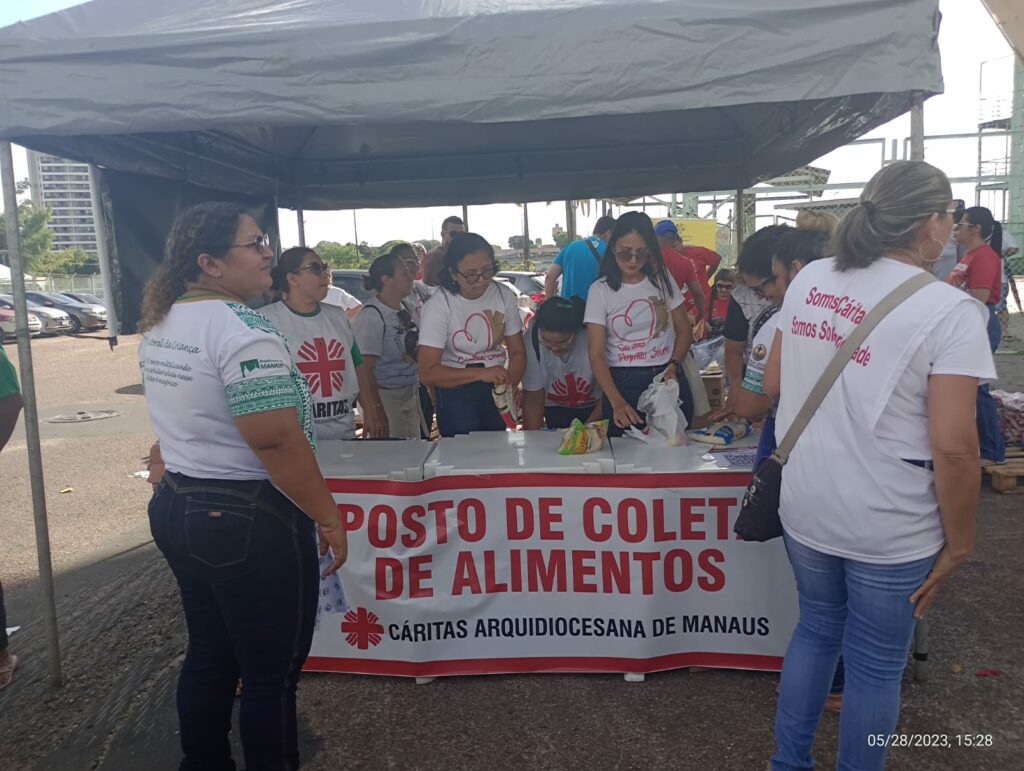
{"points": [[715, 386]]}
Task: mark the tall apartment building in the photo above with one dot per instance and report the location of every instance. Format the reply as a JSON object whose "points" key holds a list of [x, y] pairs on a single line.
{"points": [[63, 187]]}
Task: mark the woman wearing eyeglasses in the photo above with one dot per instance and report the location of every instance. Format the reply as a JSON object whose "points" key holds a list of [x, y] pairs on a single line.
{"points": [[637, 327], [387, 338], [979, 273], [467, 326], [324, 349], [235, 509], [721, 295], [559, 384]]}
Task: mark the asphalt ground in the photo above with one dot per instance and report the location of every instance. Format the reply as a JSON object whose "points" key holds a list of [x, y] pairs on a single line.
{"points": [[123, 639]]}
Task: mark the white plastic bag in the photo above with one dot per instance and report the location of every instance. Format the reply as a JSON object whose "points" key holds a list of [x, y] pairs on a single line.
{"points": [[666, 423]]}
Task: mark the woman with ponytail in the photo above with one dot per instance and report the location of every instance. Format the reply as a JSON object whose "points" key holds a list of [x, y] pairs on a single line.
{"points": [[559, 384], [235, 509], [980, 273]]}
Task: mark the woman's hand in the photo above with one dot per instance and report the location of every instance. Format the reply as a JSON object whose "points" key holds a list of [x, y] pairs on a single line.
{"points": [[671, 372], [625, 416], [335, 537], [375, 423], [946, 564], [495, 375], [155, 466]]}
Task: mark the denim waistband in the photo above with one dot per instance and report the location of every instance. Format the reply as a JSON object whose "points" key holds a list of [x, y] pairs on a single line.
{"points": [[925, 464]]}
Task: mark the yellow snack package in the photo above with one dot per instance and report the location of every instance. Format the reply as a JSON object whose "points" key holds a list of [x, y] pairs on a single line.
{"points": [[580, 439]]}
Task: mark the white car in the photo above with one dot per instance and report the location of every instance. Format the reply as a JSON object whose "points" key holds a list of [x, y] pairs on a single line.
{"points": [[7, 325], [55, 322]]}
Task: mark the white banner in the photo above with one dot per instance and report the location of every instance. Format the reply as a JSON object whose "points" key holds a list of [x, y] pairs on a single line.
{"points": [[553, 573]]}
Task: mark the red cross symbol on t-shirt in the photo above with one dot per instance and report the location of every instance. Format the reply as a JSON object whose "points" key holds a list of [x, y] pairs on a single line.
{"points": [[322, 363], [571, 392], [361, 628]]}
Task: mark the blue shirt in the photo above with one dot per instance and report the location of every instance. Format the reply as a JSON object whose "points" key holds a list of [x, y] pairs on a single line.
{"points": [[579, 268]]}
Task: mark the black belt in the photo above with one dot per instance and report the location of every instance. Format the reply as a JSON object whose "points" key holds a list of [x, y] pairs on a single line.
{"points": [[925, 464]]}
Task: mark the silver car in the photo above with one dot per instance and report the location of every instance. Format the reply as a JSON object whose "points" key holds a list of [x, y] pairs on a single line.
{"points": [[83, 315], [55, 321]]}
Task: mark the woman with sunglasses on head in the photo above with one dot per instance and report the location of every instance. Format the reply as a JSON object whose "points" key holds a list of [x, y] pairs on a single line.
{"points": [[387, 339], [235, 509], [637, 327], [559, 384], [467, 326], [324, 348], [980, 273]]}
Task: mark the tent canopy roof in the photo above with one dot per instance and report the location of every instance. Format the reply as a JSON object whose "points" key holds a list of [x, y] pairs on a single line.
{"points": [[362, 103]]}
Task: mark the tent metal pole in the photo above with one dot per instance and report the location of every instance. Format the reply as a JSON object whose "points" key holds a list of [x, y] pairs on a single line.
{"points": [[28, 392], [465, 215], [917, 129], [738, 222], [570, 219], [300, 216], [103, 253]]}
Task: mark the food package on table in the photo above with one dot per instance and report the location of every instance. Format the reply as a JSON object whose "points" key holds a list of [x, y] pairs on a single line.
{"points": [[666, 423], [724, 432], [1011, 416], [580, 439], [505, 401]]}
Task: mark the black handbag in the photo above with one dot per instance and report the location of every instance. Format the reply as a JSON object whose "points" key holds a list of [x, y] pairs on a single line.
{"points": [[759, 513]]}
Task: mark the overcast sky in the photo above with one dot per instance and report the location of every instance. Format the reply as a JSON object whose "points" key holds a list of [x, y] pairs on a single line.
{"points": [[970, 44]]}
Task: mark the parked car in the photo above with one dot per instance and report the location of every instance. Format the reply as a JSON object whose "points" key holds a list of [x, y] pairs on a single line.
{"points": [[83, 297], [54, 320], [351, 280], [529, 282], [7, 325], [526, 306], [83, 315]]}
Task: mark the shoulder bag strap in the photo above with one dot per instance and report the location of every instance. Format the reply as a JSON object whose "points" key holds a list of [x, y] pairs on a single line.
{"points": [[843, 356], [593, 250]]}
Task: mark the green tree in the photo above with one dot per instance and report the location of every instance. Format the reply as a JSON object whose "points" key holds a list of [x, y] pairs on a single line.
{"points": [[34, 231], [341, 255], [562, 239], [67, 262], [428, 243]]}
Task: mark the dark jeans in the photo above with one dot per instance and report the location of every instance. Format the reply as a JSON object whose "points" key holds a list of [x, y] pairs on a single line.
{"points": [[990, 435], [246, 562], [562, 417], [632, 382], [467, 408]]}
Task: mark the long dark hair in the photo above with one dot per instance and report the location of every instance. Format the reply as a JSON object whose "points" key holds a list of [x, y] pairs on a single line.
{"points": [[291, 261], [803, 246], [206, 228], [463, 244], [639, 223], [381, 267], [557, 314], [990, 229]]}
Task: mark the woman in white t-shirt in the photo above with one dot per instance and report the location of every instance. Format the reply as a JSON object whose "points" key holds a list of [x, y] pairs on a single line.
{"points": [[324, 348], [559, 385], [235, 508], [880, 493], [467, 326], [387, 338], [637, 327]]}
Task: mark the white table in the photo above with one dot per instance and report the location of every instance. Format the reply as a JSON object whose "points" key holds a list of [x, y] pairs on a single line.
{"points": [[399, 460], [512, 452], [635, 457]]}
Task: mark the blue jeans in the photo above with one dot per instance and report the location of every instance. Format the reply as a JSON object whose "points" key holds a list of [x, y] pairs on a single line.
{"points": [[632, 382], [467, 408], [861, 610], [245, 559], [990, 436]]}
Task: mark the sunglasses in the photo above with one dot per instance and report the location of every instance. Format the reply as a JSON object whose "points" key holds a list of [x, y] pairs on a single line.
{"points": [[640, 256], [261, 244], [316, 268], [472, 278]]}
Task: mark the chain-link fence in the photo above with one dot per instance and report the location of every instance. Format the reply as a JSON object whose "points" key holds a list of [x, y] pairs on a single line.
{"points": [[57, 283]]}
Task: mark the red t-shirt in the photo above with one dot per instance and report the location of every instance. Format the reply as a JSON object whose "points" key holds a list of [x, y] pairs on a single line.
{"points": [[980, 268], [719, 307], [704, 262], [682, 270]]}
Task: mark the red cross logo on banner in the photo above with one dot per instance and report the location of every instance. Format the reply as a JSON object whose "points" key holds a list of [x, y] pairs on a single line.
{"points": [[361, 628], [323, 364], [571, 392]]}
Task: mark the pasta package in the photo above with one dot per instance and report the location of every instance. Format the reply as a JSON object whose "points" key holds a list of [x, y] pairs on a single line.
{"points": [[723, 432], [580, 438]]}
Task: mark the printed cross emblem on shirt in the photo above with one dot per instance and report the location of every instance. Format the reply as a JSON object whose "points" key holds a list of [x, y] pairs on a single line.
{"points": [[571, 392], [322, 363]]}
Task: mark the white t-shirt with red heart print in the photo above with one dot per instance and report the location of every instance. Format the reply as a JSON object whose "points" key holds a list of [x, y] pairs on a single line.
{"points": [[637, 319], [567, 381], [470, 331]]}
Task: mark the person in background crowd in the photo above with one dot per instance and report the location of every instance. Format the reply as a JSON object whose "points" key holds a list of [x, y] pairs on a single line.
{"points": [[579, 262], [235, 510], [979, 273], [823, 222], [953, 252], [10, 408], [880, 493], [637, 327], [559, 384], [1003, 308], [464, 326], [324, 349], [749, 309], [387, 338], [433, 260], [682, 270], [725, 282], [414, 302], [339, 298], [705, 261]]}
